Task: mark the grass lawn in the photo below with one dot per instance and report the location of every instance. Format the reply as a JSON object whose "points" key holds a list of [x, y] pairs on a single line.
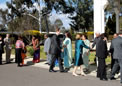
{"points": [[92, 56], [43, 56]]}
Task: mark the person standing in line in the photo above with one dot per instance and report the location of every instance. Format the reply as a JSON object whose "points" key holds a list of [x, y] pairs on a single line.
{"points": [[1, 49], [96, 40], [23, 53], [19, 47], [79, 44], [116, 46], [33, 44], [36, 47], [111, 51], [55, 51], [86, 53], [67, 51], [8, 48], [102, 55], [47, 44]]}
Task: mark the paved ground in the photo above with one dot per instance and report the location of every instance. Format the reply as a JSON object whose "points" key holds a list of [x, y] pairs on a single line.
{"points": [[11, 75], [38, 75]]}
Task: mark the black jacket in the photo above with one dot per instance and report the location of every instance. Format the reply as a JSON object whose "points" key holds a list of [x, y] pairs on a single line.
{"points": [[1, 46], [101, 51], [55, 47]]}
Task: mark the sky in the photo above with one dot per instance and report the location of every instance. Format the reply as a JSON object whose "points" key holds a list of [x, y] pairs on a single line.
{"points": [[3, 4], [53, 16]]}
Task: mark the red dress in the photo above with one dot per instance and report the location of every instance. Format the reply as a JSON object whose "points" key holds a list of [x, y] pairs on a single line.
{"points": [[36, 47]]}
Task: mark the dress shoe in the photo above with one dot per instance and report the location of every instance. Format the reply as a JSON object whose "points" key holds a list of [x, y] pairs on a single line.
{"points": [[112, 78], [104, 79], [67, 69], [52, 71], [63, 71]]}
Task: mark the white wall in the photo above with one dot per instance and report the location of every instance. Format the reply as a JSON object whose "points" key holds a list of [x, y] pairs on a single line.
{"points": [[99, 17]]}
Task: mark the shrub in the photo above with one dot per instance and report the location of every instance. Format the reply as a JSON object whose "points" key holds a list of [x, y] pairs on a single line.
{"points": [[13, 46], [30, 50]]}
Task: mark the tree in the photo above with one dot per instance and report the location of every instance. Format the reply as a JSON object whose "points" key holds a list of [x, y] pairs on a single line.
{"points": [[59, 5], [45, 23], [111, 25], [18, 20], [3, 19], [83, 18], [81, 11]]}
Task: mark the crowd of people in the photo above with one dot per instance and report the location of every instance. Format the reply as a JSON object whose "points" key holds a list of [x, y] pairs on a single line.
{"points": [[82, 52], [61, 51]]}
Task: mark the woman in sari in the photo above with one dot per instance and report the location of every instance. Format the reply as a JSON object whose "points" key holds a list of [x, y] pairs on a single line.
{"points": [[67, 52], [86, 53], [36, 48]]}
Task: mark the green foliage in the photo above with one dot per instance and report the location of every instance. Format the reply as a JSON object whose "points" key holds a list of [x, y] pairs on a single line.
{"points": [[13, 46], [59, 6], [30, 50], [41, 49], [18, 20], [3, 19], [81, 12], [73, 37], [120, 22], [83, 18], [111, 25]]}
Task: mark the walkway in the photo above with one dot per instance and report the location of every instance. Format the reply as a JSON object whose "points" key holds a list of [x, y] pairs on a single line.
{"points": [[42, 64]]}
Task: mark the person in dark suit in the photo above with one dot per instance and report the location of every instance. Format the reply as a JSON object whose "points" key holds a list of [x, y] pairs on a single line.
{"points": [[116, 46], [111, 51], [102, 55], [55, 51], [1, 49], [96, 40]]}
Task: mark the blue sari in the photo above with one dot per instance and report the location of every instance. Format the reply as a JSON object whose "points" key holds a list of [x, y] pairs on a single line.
{"points": [[67, 52]]}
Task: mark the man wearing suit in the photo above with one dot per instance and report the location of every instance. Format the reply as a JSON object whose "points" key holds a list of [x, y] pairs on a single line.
{"points": [[1, 49], [116, 46], [111, 51], [55, 51], [8, 47], [96, 40], [102, 55]]}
